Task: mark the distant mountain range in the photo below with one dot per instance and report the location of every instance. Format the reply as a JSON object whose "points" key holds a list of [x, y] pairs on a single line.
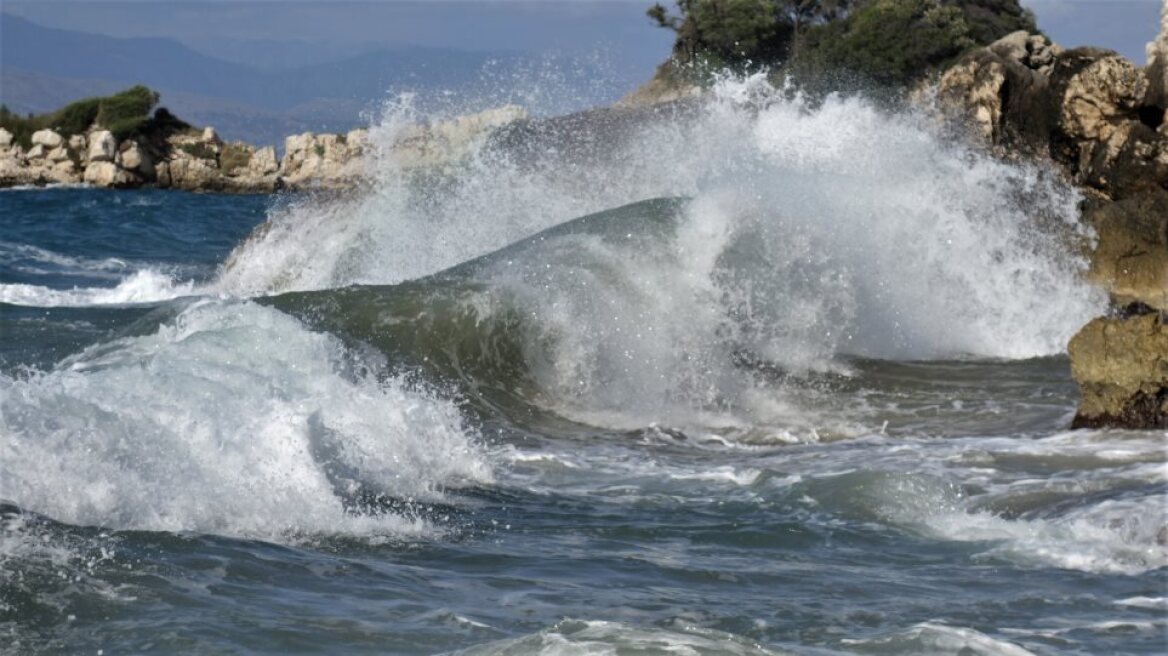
{"points": [[43, 68]]}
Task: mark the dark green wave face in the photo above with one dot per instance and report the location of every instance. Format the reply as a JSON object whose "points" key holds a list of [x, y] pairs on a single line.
{"points": [[469, 325]]}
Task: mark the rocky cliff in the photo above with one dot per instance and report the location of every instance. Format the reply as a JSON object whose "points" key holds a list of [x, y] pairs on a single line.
{"points": [[1101, 119], [198, 160]]}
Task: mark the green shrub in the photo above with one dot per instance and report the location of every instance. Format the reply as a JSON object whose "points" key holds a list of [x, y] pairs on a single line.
{"points": [[888, 41], [233, 156], [990, 20], [198, 150], [123, 114]]}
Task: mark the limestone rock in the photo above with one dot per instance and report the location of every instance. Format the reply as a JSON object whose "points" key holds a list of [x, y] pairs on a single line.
{"points": [[324, 160], [64, 171], [108, 174], [5, 139], [47, 138], [58, 154], [263, 162], [190, 173], [1131, 257], [358, 138], [1101, 98], [36, 152], [1121, 365], [210, 136], [77, 142], [14, 172], [134, 157], [1001, 92], [102, 146]]}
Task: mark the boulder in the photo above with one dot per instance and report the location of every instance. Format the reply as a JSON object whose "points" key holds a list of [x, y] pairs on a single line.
{"points": [[58, 154], [190, 173], [1001, 93], [1131, 256], [64, 171], [1100, 96], [77, 142], [102, 146], [36, 152], [14, 172], [1121, 365], [210, 136], [47, 138], [263, 162], [108, 174], [5, 139], [358, 138], [322, 160], [135, 158]]}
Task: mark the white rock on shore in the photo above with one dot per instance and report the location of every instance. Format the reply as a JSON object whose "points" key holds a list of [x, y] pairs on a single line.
{"points": [[102, 146], [47, 138]]}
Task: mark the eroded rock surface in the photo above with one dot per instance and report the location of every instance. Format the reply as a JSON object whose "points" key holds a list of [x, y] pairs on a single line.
{"points": [[1121, 364]]}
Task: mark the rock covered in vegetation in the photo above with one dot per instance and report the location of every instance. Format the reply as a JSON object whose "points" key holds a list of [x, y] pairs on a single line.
{"points": [[1121, 364]]}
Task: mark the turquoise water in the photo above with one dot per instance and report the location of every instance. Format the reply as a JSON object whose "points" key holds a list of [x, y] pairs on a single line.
{"points": [[611, 419]]}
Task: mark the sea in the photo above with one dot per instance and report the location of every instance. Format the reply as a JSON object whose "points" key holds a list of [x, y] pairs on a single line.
{"points": [[753, 374]]}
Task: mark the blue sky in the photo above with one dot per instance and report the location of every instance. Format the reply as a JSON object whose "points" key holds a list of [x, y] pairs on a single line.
{"points": [[617, 27]]}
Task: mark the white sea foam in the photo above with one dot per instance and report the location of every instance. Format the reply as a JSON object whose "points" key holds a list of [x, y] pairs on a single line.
{"points": [[935, 638], [1120, 535], [142, 286], [233, 419], [599, 638], [31, 259]]}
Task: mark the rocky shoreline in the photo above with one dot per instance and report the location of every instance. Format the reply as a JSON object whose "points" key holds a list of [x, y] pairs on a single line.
{"points": [[1101, 120], [198, 160]]}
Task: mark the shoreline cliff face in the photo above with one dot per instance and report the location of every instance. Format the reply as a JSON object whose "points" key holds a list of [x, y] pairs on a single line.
{"points": [[198, 160], [1100, 119]]}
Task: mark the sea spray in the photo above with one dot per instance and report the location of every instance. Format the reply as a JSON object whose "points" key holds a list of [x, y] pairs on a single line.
{"points": [[862, 224], [231, 419]]}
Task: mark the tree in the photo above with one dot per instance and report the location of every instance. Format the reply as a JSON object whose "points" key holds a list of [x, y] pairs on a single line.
{"points": [[743, 33], [888, 41]]}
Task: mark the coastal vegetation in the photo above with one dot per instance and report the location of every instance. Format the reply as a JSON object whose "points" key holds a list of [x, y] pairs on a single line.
{"points": [[889, 42], [124, 114]]}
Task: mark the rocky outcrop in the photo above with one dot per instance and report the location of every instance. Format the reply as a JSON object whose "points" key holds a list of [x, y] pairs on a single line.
{"points": [[1088, 110], [324, 160], [1100, 118], [1121, 364], [197, 160], [1131, 255]]}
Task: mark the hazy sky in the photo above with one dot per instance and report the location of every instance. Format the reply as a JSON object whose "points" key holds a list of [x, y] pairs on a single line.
{"points": [[618, 26]]}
